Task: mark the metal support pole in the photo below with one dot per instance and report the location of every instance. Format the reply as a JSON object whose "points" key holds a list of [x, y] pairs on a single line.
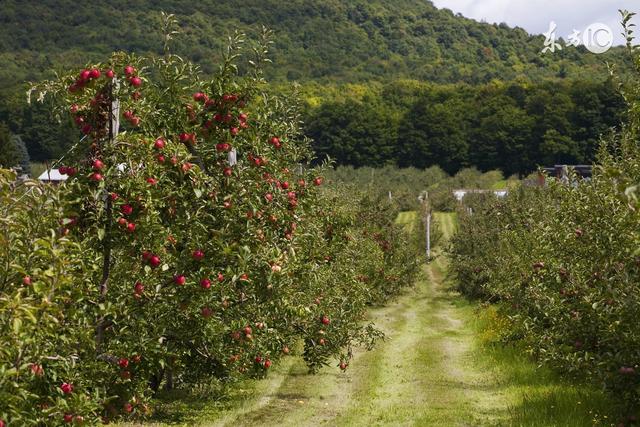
{"points": [[429, 235]]}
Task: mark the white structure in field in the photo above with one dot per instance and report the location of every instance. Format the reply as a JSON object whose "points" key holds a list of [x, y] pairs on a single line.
{"points": [[53, 176], [459, 194]]}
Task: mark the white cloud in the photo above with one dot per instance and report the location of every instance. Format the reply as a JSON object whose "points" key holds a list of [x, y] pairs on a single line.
{"points": [[535, 15]]}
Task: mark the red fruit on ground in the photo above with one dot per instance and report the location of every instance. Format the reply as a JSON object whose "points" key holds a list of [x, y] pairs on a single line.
{"points": [[343, 366], [180, 280], [267, 364], [205, 283], [158, 144], [26, 280], [152, 181], [227, 171], [258, 359], [325, 320], [66, 388], [96, 177], [317, 181], [128, 407], [220, 277], [268, 197], [67, 418], [234, 131], [247, 330], [206, 312], [123, 362], [275, 140]]}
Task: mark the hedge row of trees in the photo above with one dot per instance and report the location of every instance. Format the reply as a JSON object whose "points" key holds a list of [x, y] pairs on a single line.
{"points": [[562, 261], [165, 261]]}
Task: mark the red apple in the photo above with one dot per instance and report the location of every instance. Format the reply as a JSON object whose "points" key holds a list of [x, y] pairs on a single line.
{"points": [[66, 388], [234, 131], [129, 70], [135, 81], [325, 320], [96, 177], [267, 364], [126, 209], [227, 171], [85, 75], [131, 227], [317, 181], [220, 277], [258, 359], [138, 288], [154, 261], [26, 280], [128, 407], [97, 164], [158, 144], [37, 370], [123, 362], [206, 312], [110, 74], [152, 181], [268, 197], [205, 283], [198, 255], [68, 418], [95, 73], [343, 366], [180, 280]]}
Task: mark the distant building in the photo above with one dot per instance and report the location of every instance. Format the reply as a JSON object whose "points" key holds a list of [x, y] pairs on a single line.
{"points": [[459, 194], [561, 173], [52, 176]]}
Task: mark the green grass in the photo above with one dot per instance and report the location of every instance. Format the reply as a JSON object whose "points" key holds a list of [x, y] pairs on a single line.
{"points": [[438, 366], [538, 396]]}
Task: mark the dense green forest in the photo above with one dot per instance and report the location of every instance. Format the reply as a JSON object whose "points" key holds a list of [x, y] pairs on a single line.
{"points": [[509, 126], [383, 52]]}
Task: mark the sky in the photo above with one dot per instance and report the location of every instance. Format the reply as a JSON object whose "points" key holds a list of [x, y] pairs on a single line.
{"points": [[536, 15]]}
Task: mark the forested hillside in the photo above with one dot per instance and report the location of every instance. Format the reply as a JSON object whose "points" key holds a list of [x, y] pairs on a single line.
{"points": [[328, 46]]}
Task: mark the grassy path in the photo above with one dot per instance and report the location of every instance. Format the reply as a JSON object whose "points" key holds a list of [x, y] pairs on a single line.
{"points": [[430, 371]]}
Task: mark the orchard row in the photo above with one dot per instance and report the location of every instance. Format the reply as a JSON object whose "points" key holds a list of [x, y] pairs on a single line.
{"points": [[165, 260]]}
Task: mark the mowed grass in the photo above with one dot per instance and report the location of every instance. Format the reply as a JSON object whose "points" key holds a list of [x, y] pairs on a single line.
{"points": [[436, 367]]}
